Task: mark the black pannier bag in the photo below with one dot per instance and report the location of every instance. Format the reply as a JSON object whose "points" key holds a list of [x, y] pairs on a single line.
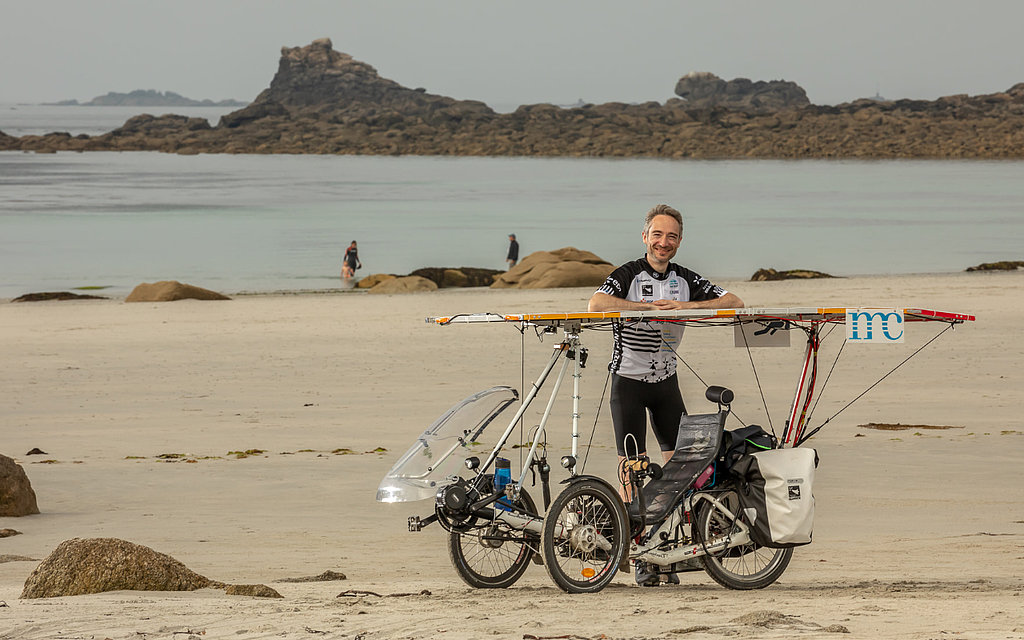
{"points": [[739, 442], [775, 495]]}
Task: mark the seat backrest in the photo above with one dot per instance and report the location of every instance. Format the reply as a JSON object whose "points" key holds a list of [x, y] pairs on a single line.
{"points": [[697, 446]]}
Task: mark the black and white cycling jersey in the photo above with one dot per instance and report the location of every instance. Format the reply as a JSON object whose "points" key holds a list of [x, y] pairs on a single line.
{"points": [[645, 350]]}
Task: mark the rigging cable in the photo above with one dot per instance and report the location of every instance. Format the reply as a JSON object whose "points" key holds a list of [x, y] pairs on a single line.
{"points": [[806, 437], [593, 430], [706, 385]]}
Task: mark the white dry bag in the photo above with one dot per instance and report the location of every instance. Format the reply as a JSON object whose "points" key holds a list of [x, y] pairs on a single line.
{"points": [[775, 492]]}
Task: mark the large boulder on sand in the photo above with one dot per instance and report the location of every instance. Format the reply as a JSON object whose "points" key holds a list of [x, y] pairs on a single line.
{"points": [[170, 290], [404, 284], [566, 267], [16, 495], [373, 280], [95, 565]]}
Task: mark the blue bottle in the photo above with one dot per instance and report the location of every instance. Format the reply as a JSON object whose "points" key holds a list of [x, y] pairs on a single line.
{"points": [[502, 478]]}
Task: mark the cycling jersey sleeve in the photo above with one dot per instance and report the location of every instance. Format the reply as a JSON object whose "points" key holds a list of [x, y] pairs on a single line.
{"points": [[701, 288], [617, 283]]}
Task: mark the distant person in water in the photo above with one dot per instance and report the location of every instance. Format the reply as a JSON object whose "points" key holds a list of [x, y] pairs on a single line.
{"points": [[513, 251], [351, 262]]}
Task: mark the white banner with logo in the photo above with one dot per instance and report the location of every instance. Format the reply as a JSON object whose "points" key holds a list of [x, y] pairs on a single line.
{"points": [[876, 326]]}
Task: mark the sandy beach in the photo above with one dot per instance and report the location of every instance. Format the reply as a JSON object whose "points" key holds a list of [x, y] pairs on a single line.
{"points": [[919, 533]]}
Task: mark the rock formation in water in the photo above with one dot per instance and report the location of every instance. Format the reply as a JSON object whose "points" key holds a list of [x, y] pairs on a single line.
{"points": [[703, 90], [1004, 265], [55, 295], [324, 101], [763, 275], [149, 98]]}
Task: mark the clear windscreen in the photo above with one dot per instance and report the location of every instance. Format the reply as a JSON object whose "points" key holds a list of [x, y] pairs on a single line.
{"points": [[440, 451]]}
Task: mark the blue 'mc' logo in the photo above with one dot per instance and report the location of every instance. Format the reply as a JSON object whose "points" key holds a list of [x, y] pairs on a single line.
{"points": [[874, 325]]}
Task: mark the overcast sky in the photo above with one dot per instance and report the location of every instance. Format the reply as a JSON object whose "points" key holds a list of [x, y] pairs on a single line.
{"points": [[515, 52]]}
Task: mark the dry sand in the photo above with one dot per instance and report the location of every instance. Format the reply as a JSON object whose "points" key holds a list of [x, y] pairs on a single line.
{"points": [[919, 533]]}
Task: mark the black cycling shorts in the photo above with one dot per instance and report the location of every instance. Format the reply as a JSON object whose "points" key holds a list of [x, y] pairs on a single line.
{"points": [[631, 400]]}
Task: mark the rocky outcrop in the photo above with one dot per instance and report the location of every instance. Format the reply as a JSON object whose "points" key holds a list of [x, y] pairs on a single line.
{"points": [[95, 565], [460, 277], [318, 76], [150, 98], [252, 590], [1005, 265], [567, 267], [703, 90], [762, 275], [324, 101], [404, 284], [16, 495], [55, 295], [170, 290]]}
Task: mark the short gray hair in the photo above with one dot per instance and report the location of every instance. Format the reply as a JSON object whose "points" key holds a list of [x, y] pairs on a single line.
{"points": [[662, 210]]}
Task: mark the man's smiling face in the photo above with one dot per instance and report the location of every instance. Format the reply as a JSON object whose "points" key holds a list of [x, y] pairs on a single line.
{"points": [[662, 239]]}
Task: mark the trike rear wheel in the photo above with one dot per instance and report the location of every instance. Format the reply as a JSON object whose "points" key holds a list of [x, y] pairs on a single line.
{"points": [[742, 567]]}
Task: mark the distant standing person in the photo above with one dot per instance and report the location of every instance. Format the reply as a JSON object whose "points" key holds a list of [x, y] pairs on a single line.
{"points": [[351, 262], [513, 251]]}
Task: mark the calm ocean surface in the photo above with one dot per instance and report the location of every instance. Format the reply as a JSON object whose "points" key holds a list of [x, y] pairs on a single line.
{"points": [[266, 223]]}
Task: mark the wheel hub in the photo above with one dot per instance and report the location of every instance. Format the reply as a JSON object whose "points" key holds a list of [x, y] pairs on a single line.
{"points": [[491, 538], [583, 538]]}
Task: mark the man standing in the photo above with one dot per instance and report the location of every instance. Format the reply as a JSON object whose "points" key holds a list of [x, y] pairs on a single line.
{"points": [[643, 365], [513, 251]]}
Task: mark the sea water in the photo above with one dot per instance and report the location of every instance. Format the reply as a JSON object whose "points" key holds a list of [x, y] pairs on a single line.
{"points": [[252, 223]]}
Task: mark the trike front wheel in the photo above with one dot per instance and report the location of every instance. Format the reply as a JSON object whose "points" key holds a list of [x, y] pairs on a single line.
{"points": [[492, 555]]}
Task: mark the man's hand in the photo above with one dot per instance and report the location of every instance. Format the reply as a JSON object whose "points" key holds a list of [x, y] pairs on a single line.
{"points": [[669, 305], [604, 302], [728, 301]]}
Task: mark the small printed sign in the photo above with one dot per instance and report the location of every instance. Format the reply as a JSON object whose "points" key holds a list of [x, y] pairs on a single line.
{"points": [[762, 333], [877, 326]]}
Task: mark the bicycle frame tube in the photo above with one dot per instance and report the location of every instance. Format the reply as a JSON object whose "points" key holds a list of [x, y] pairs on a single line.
{"points": [[576, 375], [649, 553], [544, 419], [559, 352], [804, 390]]}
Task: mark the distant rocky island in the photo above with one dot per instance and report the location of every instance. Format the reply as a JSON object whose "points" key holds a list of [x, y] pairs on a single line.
{"points": [[149, 98], [322, 101]]}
